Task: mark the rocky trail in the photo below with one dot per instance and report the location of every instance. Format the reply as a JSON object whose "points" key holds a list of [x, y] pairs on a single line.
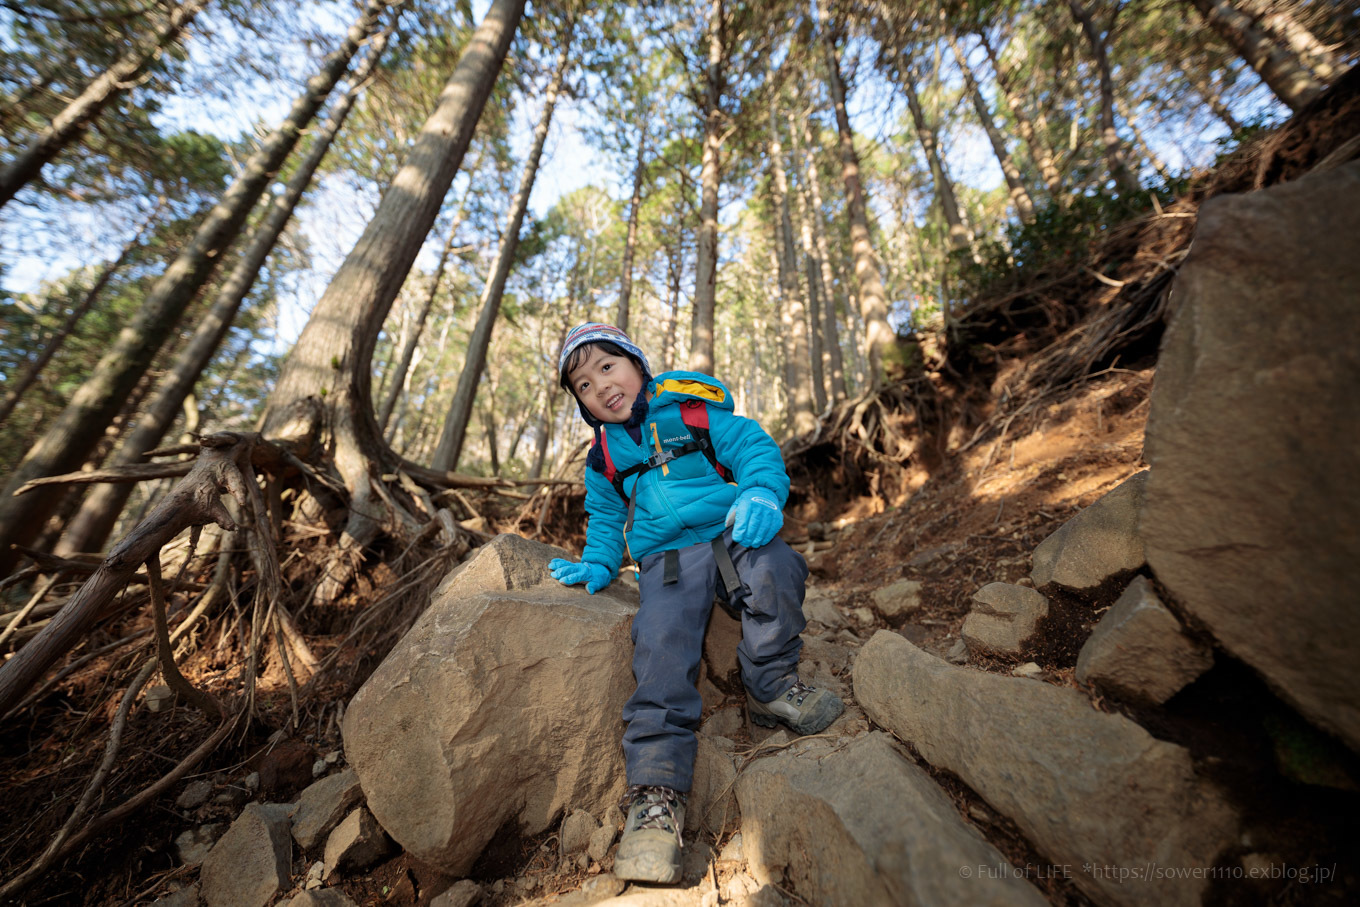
{"points": [[1098, 649]]}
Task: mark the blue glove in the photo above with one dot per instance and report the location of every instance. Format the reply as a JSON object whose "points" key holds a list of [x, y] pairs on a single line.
{"points": [[569, 573], [755, 518]]}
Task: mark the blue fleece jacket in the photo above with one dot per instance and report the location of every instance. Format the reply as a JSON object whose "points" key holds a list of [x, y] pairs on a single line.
{"points": [[686, 502]]}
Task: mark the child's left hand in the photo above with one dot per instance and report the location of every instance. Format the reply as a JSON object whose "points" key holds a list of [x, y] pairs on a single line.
{"points": [[569, 573], [756, 518]]}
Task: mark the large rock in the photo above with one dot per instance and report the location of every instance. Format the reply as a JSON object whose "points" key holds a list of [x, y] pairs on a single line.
{"points": [[1140, 651], [1100, 542], [1086, 787], [1004, 620], [251, 863], [1254, 440], [858, 824], [712, 802], [501, 705]]}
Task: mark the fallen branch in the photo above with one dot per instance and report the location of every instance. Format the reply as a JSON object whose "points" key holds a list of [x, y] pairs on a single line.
{"points": [[117, 475]]}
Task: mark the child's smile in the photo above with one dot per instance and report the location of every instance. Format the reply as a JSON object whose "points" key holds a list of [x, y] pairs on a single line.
{"points": [[606, 384]]}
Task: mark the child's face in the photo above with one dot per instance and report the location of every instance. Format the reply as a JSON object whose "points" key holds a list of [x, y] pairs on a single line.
{"points": [[607, 384]]}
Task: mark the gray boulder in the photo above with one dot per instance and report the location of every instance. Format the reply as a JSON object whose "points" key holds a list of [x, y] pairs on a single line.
{"points": [[857, 823], [501, 704], [1086, 787], [1254, 440], [577, 830], [1098, 543], [1140, 651], [323, 804], [1004, 620], [250, 865], [322, 897]]}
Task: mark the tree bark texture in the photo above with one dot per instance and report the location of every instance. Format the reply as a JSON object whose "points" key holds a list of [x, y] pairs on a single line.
{"points": [[710, 177], [793, 314], [1296, 36], [15, 390], [1116, 158], [831, 331], [621, 317], [1286, 75], [96, 402], [1019, 194], [71, 123], [1039, 149], [95, 521], [460, 410], [331, 360], [960, 240], [872, 303], [398, 381]]}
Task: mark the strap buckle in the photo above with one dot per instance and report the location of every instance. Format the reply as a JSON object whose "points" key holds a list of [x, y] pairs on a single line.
{"points": [[662, 456]]}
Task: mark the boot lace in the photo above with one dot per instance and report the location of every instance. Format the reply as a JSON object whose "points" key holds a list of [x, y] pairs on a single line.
{"points": [[659, 809], [798, 692]]}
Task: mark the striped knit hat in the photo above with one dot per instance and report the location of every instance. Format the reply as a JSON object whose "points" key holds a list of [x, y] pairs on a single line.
{"points": [[594, 332]]}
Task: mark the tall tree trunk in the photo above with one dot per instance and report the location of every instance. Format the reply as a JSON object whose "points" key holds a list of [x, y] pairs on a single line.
{"points": [[460, 410], [674, 275], [1287, 76], [1297, 37], [97, 516], [96, 402], [71, 123], [960, 240], [398, 382], [15, 389], [1116, 158], [1037, 143], [1020, 200], [815, 291], [634, 216], [831, 331], [329, 368], [872, 304], [710, 177], [793, 313]]}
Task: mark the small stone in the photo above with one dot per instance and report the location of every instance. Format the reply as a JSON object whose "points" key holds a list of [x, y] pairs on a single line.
{"points": [[333, 757], [577, 830], [322, 897], [958, 653], [464, 893], [582, 862], [1096, 544], [1004, 620], [819, 607], [898, 598], [195, 793], [358, 842], [863, 615], [193, 845], [252, 782], [323, 804], [250, 865], [185, 897], [315, 874], [978, 814], [614, 817], [600, 842], [319, 768], [731, 851], [232, 796], [1028, 669], [600, 888], [159, 698], [765, 896]]}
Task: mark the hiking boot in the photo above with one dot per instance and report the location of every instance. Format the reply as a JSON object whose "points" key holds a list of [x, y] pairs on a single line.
{"points": [[649, 850], [805, 709]]}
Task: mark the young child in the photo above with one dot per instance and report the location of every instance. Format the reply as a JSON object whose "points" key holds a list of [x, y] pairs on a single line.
{"points": [[695, 494]]}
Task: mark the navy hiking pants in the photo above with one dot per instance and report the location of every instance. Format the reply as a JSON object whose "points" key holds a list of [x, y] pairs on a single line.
{"points": [[668, 642]]}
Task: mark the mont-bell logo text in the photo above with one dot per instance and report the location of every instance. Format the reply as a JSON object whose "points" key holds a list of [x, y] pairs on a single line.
{"points": [[676, 439]]}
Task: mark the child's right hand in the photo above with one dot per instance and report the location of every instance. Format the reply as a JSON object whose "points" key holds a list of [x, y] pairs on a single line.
{"points": [[569, 573]]}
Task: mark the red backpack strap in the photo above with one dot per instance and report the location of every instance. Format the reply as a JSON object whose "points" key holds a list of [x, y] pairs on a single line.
{"points": [[609, 469], [694, 413]]}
